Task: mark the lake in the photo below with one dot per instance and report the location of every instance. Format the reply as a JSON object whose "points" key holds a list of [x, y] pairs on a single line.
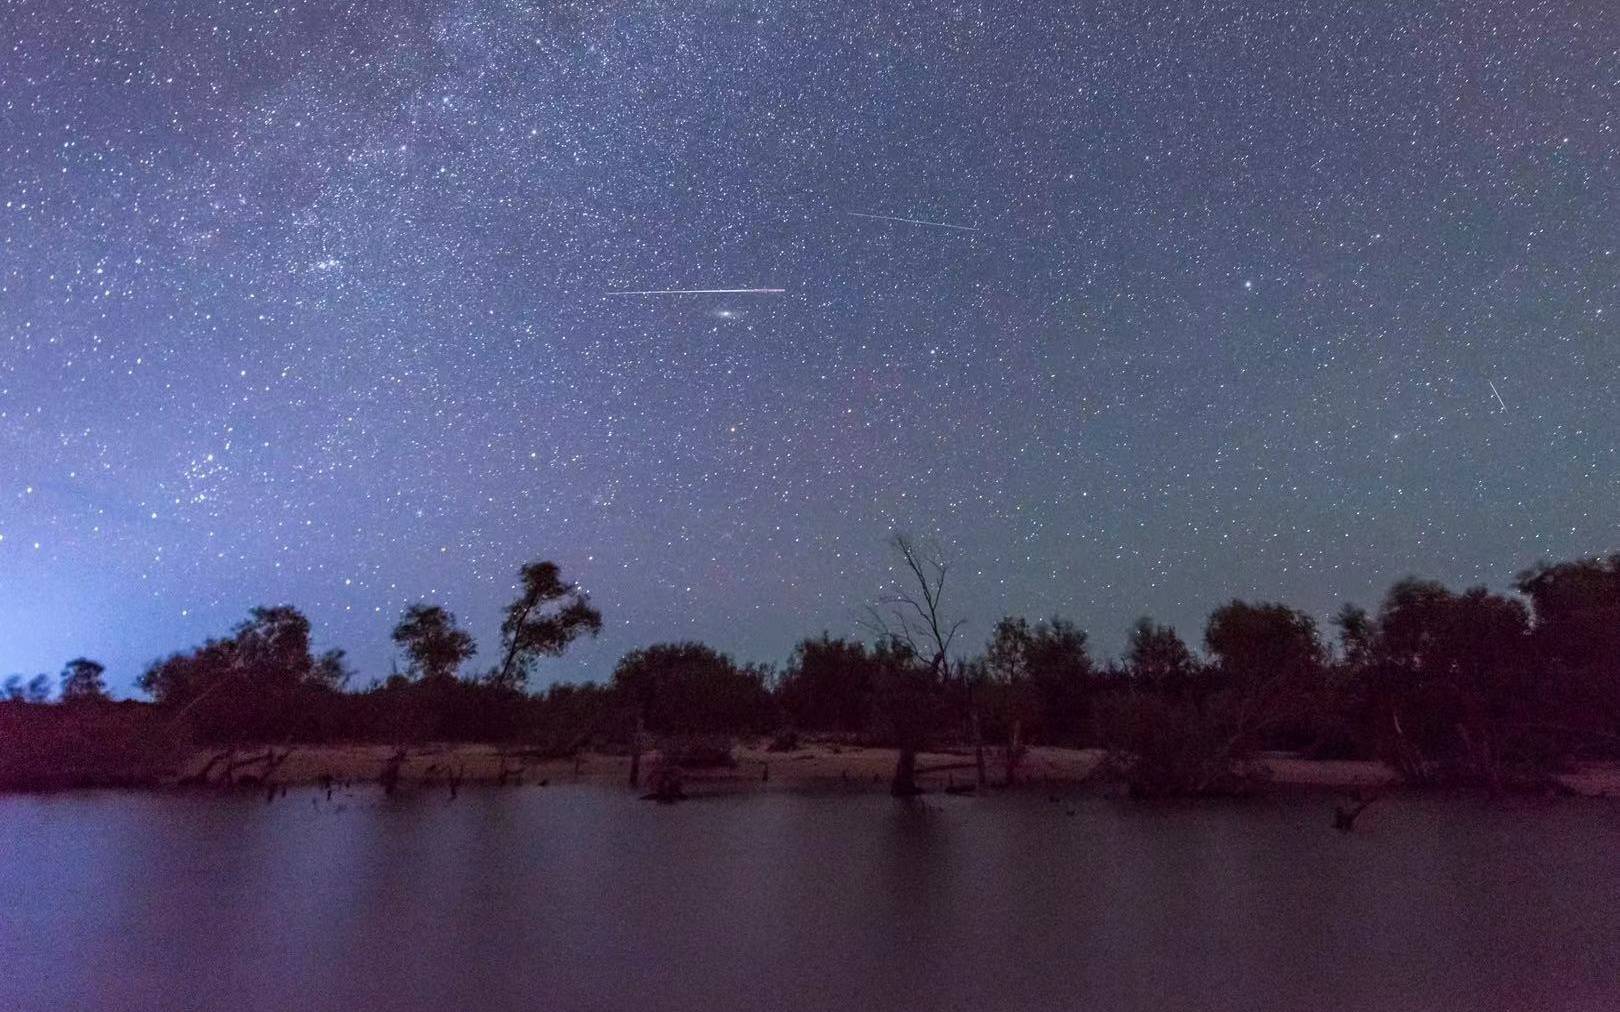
{"points": [[580, 897]]}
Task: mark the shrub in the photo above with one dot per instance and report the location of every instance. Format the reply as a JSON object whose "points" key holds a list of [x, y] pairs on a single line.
{"points": [[1162, 746], [92, 744]]}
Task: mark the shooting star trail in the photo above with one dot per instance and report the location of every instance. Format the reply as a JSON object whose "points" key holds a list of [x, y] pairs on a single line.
{"points": [[704, 291], [1498, 395], [915, 221]]}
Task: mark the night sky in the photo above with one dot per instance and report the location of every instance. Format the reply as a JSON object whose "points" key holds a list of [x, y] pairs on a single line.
{"points": [[310, 304]]}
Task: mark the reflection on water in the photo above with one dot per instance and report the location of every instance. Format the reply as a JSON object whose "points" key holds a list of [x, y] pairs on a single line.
{"points": [[564, 898]]}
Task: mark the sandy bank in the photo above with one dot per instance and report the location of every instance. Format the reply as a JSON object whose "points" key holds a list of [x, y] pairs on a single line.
{"points": [[812, 766]]}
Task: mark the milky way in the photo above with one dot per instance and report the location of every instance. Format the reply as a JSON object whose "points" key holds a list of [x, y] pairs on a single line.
{"points": [[306, 304]]}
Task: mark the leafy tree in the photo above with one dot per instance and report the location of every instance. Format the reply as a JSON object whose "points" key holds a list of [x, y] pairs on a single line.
{"points": [[1356, 633], [547, 616], [1577, 610], [1451, 677], [828, 685], [436, 648], [1273, 655], [1044, 673], [691, 689], [260, 681], [35, 690], [1156, 657], [82, 681], [1576, 632], [1186, 729], [1255, 643]]}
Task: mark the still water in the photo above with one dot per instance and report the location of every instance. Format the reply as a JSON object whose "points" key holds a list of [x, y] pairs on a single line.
{"points": [[584, 898]]}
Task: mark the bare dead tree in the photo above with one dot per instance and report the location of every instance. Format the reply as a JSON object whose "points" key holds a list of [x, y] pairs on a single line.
{"points": [[389, 777], [911, 621], [913, 617]]}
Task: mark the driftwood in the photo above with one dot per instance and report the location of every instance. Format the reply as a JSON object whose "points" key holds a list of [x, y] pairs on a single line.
{"points": [[1344, 819], [274, 760], [229, 766], [201, 776]]}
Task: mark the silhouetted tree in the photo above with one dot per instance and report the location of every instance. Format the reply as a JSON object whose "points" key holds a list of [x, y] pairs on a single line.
{"points": [[1576, 633], [1254, 643], [1158, 658], [82, 681], [547, 616], [828, 685], [1272, 652], [1450, 678], [38, 689], [913, 613], [1041, 676], [258, 682], [1184, 728], [1440, 683], [436, 648], [692, 689], [914, 642], [1166, 744], [1356, 634]]}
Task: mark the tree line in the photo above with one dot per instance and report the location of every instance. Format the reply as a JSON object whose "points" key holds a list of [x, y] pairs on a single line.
{"points": [[1443, 685]]}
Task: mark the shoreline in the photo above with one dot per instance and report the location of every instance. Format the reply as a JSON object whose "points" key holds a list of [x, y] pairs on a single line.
{"points": [[438, 765]]}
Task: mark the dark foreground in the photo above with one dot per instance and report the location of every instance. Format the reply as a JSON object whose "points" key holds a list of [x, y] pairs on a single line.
{"points": [[580, 897]]}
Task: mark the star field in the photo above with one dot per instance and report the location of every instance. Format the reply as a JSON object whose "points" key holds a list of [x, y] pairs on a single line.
{"points": [[308, 304]]}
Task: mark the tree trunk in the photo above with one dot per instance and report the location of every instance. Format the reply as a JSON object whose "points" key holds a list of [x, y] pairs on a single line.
{"points": [[978, 748], [635, 753], [904, 784], [512, 649], [1410, 761], [1014, 747]]}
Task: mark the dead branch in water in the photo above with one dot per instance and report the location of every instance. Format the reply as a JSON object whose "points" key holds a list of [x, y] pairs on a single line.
{"points": [[389, 777], [1344, 819]]}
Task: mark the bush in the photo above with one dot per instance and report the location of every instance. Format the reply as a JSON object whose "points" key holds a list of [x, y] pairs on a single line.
{"points": [[786, 740], [1163, 747], [85, 744]]}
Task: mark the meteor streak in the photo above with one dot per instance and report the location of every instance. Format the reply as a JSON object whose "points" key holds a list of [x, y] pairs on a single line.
{"points": [[704, 291], [1498, 396], [914, 221]]}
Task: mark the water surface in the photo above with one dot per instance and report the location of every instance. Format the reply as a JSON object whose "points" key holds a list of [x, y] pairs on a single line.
{"points": [[584, 898]]}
